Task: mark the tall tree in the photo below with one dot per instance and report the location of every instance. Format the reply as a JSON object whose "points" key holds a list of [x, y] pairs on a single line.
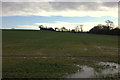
{"points": [[81, 28], [109, 24], [77, 29]]}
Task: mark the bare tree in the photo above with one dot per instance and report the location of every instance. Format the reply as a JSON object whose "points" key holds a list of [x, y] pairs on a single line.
{"points": [[77, 29], [81, 28], [109, 24]]}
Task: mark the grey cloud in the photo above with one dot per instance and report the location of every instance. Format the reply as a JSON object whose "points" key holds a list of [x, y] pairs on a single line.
{"points": [[82, 5], [60, 0], [35, 7], [110, 4], [86, 0], [75, 5], [25, 6], [27, 0]]}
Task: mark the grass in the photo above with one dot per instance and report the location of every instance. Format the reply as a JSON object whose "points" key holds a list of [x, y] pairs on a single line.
{"points": [[66, 48], [35, 68]]}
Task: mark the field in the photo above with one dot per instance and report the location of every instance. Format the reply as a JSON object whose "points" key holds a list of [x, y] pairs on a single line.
{"points": [[47, 54]]}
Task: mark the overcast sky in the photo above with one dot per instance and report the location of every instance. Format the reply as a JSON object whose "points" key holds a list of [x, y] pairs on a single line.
{"points": [[29, 15]]}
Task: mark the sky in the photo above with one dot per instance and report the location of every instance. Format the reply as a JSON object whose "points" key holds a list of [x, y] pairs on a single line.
{"points": [[29, 15]]}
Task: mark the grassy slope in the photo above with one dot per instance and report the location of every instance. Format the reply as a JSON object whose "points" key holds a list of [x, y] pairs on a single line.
{"points": [[86, 48]]}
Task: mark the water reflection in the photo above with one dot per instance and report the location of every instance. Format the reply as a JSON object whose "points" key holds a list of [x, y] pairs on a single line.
{"points": [[89, 72]]}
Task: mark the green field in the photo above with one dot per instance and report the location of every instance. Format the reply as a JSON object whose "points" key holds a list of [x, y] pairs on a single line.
{"points": [[47, 54]]}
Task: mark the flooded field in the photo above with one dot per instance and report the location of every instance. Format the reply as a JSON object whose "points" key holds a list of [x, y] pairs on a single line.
{"points": [[89, 72], [44, 54]]}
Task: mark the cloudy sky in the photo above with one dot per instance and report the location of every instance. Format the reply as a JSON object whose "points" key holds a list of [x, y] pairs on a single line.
{"points": [[29, 15]]}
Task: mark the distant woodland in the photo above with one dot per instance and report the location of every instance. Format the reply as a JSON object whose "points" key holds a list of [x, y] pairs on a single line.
{"points": [[99, 29]]}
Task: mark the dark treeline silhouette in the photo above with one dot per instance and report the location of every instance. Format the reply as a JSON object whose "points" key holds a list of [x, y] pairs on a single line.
{"points": [[105, 29], [45, 28], [77, 29], [99, 29]]}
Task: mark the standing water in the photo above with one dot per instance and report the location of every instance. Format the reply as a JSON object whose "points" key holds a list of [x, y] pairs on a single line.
{"points": [[89, 72]]}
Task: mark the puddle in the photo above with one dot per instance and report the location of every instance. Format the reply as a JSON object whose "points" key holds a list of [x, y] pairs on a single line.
{"points": [[69, 57], [109, 64], [85, 49], [26, 57], [89, 72], [111, 48], [44, 57], [112, 68], [98, 47]]}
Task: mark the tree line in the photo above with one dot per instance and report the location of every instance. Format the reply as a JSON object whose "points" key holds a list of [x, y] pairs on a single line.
{"points": [[63, 29], [105, 29], [99, 29]]}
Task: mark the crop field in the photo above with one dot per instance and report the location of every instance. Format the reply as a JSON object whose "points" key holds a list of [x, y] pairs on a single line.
{"points": [[47, 54]]}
